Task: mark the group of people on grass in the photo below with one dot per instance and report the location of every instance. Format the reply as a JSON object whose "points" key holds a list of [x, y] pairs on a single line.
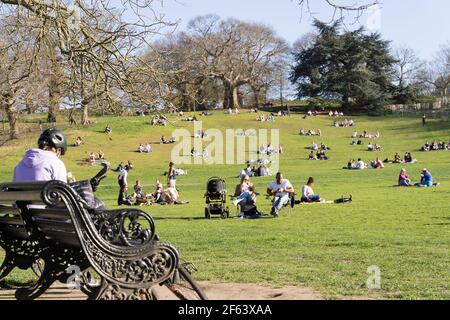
{"points": [[336, 114], [366, 135], [270, 150], [161, 195], [345, 124], [97, 158], [318, 155], [253, 171], [281, 190], [374, 147], [361, 165], [159, 120], [264, 118], [164, 140], [407, 159], [78, 142], [310, 132], [145, 148], [190, 119], [435, 146], [426, 180]]}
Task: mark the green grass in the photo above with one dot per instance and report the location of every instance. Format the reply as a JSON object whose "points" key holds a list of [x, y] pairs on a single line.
{"points": [[327, 247]]}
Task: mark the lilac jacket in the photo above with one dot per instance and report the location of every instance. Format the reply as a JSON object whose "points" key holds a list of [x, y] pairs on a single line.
{"points": [[40, 165]]}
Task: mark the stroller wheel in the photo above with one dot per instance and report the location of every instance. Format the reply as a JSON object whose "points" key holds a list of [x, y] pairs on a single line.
{"points": [[207, 214], [224, 215]]}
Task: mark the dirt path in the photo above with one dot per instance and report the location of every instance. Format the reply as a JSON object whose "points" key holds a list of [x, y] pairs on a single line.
{"points": [[215, 291]]}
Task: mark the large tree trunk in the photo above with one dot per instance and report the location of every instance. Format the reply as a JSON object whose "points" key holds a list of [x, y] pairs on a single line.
{"points": [[85, 100], [12, 114], [256, 96], [85, 113], [54, 88]]}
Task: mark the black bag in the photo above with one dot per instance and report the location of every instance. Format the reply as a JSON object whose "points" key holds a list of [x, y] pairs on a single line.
{"points": [[250, 210], [84, 190], [344, 200]]}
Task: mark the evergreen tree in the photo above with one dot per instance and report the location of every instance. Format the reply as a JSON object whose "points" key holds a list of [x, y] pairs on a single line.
{"points": [[352, 66]]}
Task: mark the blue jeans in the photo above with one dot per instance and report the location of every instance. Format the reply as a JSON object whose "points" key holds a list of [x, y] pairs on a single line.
{"points": [[280, 201], [314, 198]]}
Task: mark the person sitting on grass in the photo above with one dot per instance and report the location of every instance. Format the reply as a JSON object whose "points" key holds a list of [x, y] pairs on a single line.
{"points": [[159, 189], [321, 155], [426, 180], [377, 147], [426, 147], [312, 156], [108, 130], [264, 171], [403, 179], [314, 146], [378, 164], [137, 187], [308, 195], [408, 157], [397, 158], [92, 157], [145, 148], [281, 189], [78, 142], [101, 155], [323, 147], [351, 165]]}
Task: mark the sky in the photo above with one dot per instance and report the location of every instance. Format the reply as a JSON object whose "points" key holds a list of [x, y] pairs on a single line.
{"points": [[422, 25]]}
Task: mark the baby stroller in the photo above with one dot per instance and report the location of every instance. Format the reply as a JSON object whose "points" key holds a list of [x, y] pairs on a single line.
{"points": [[216, 198]]}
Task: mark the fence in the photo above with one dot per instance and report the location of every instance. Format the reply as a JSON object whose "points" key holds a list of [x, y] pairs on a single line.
{"points": [[419, 106]]}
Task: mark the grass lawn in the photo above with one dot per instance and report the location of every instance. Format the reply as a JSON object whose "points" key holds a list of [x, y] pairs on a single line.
{"points": [[405, 232]]}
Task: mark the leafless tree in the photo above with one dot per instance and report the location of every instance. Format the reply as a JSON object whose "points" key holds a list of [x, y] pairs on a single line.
{"points": [[91, 42], [341, 8], [407, 66], [436, 74]]}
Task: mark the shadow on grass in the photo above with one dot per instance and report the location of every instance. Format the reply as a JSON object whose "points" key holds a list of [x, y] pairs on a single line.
{"points": [[13, 284], [178, 218]]}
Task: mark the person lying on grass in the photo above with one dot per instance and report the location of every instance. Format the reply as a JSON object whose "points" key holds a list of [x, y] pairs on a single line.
{"points": [[377, 164], [308, 195], [426, 180]]}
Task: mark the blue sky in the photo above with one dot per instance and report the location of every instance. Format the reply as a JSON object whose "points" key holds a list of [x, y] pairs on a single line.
{"points": [[420, 24]]}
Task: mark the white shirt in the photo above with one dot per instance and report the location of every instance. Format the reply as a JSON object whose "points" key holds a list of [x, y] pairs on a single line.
{"points": [[360, 165], [285, 184], [307, 191], [123, 175]]}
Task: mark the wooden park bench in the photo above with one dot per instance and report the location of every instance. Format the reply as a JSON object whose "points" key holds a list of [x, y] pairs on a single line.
{"points": [[46, 225]]}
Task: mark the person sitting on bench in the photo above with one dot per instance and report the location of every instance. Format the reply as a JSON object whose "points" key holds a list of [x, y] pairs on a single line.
{"points": [[280, 188], [43, 163], [308, 195]]}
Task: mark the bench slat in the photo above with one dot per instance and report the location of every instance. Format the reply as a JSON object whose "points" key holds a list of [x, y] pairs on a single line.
{"points": [[50, 213], [67, 238], [9, 210], [16, 220], [18, 232], [60, 225], [29, 196]]}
